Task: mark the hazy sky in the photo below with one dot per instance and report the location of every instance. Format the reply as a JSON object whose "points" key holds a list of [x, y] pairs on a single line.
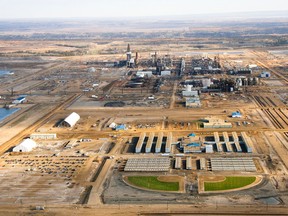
{"points": [[127, 8]]}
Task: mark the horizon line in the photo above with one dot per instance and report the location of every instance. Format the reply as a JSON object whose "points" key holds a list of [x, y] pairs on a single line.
{"points": [[153, 16]]}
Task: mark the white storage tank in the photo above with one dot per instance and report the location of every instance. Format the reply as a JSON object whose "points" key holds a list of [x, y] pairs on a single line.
{"points": [[189, 88]]}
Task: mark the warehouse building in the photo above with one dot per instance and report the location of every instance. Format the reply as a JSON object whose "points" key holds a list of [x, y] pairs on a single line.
{"points": [[212, 122], [70, 121], [43, 136], [236, 114], [26, 145], [193, 102]]}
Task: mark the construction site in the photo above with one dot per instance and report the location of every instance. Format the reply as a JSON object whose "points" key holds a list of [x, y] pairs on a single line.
{"points": [[77, 130]]}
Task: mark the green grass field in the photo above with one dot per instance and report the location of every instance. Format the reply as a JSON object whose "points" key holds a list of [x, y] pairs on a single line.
{"points": [[151, 182], [229, 183]]}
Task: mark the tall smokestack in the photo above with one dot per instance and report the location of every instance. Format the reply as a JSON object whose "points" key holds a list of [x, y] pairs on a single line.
{"points": [[136, 58]]}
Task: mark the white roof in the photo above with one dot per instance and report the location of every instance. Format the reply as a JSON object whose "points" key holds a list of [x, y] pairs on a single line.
{"points": [[112, 125], [209, 149], [25, 146], [72, 119]]}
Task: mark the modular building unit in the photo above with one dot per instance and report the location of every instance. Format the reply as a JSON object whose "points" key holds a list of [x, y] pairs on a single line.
{"points": [[247, 142], [236, 142], [209, 149], [149, 142], [219, 147], [235, 137], [216, 137], [226, 137], [159, 143], [43, 136], [227, 143], [188, 163], [168, 143], [202, 163], [140, 143], [178, 163]]}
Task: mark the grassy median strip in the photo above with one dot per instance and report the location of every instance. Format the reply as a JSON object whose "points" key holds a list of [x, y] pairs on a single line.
{"points": [[229, 183], [151, 182]]}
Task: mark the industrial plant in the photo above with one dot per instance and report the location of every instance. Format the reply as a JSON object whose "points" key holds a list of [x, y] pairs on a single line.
{"points": [[146, 123]]}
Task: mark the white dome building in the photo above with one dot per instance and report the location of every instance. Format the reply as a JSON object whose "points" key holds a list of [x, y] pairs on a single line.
{"points": [[26, 145], [71, 120]]}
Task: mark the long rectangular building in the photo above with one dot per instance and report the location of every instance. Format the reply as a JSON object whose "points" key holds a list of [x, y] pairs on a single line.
{"points": [[247, 142], [149, 142], [159, 143], [168, 143], [236, 142], [43, 136], [178, 163], [188, 163], [216, 137], [147, 165], [140, 142], [227, 143], [202, 163], [219, 147], [233, 164]]}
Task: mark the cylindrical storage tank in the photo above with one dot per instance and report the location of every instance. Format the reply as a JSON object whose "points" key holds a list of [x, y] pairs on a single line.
{"points": [[189, 88]]}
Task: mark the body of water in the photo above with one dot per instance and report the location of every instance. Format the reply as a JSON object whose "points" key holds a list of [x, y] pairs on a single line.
{"points": [[5, 72], [4, 113]]}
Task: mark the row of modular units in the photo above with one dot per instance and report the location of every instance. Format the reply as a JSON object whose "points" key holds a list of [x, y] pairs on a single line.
{"points": [[236, 142], [150, 142], [140, 143], [178, 163], [236, 164], [147, 164], [226, 168], [142, 169]]}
